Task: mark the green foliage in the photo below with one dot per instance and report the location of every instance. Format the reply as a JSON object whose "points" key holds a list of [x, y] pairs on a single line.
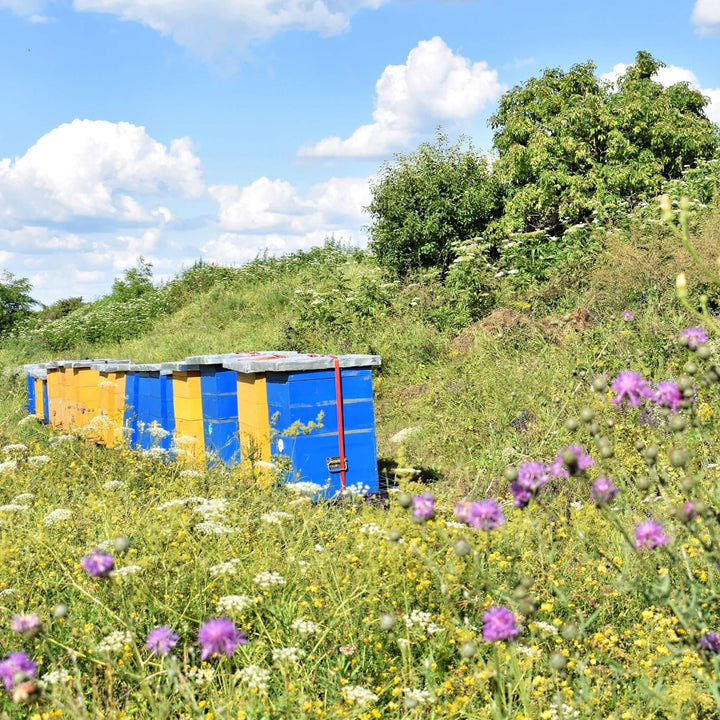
{"points": [[428, 200], [15, 301], [136, 282], [61, 308], [572, 150]]}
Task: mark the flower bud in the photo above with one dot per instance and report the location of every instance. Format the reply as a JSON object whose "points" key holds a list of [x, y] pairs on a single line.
{"points": [[121, 544], [557, 661], [571, 424], [468, 649], [405, 500], [703, 352], [60, 611], [681, 286], [678, 457], [462, 547], [394, 536], [387, 622]]}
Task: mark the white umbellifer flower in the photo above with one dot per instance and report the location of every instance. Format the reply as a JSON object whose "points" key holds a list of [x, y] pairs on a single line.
{"points": [[115, 642], [211, 527], [356, 490], [113, 484], [275, 517], [156, 452], [55, 677], [563, 711], [8, 465], [288, 654], [157, 431], [22, 498], [190, 473], [304, 488], [103, 545], [225, 568], [305, 627], [419, 697], [267, 579], [213, 509], [57, 516], [200, 676], [171, 503], [357, 695], [14, 447], [126, 571], [12, 507], [36, 460], [528, 651], [185, 441], [27, 420], [8, 591], [234, 603], [417, 618], [434, 628], [372, 529], [61, 439], [101, 422], [456, 525], [255, 677], [545, 627]]}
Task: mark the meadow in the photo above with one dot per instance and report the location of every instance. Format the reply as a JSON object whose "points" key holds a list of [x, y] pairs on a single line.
{"points": [[547, 548]]}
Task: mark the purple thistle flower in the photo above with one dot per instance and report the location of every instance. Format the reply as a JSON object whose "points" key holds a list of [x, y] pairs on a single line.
{"points": [[710, 643], [695, 336], [161, 640], [482, 515], [667, 394], [583, 461], [630, 386], [603, 491], [627, 315], [15, 668], [650, 535], [531, 478], [423, 506], [98, 564], [219, 636], [499, 624], [28, 625], [689, 510]]}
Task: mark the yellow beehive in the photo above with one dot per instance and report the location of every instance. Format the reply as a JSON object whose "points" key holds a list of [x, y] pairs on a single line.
{"points": [[254, 422], [39, 398], [187, 400], [55, 389], [108, 422]]}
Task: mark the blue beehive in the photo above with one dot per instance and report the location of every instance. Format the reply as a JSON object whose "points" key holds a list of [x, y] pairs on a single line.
{"points": [[36, 383], [303, 391], [30, 406], [218, 389], [149, 414]]}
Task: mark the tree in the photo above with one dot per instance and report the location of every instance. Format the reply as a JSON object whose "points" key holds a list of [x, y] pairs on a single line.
{"points": [[15, 301], [136, 282], [571, 148], [427, 201]]}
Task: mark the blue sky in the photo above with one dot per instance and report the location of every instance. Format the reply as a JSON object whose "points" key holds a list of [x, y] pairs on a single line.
{"points": [[180, 129]]}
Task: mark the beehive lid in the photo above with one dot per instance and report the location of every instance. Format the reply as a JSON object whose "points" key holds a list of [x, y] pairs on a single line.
{"points": [[36, 370], [298, 363], [94, 363], [167, 368], [227, 357]]}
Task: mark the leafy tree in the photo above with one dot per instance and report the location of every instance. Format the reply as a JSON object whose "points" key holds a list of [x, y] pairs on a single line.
{"points": [[15, 301], [429, 200], [61, 308], [136, 282], [571, 148]]}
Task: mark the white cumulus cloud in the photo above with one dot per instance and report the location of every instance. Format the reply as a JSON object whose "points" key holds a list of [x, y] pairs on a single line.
{"points": [[86, 168], [670, 75], [434, 85], [706, 16], [207, 26]]}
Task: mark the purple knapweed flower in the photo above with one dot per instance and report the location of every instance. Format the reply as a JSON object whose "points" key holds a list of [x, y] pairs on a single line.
{"points": [[482, 515], [668, 394], [16, 667], [650, 535], [219, 636], [499, 624], [603, 491], [631, 387], [27, 625], [531, 478], [695, 336], [710, 643], [98, 564], [627, 315], [423, 506], [161, 640], [583, 461]]}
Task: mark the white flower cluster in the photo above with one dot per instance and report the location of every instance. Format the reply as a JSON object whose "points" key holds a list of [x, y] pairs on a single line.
{"points": [[288, 655], [200, 676], [113, 484], [115, 642], [157, 431], [255, 677], [415, 697], [36, 460], [267, 579], [358, 695], [372, 529], [8, 466], [13, 507], [305, 627], [61, 439], [224, 568], [275, 517], [213, 509], [22, 498], [55, 677], [417, 618], [528, 651], [190, 473], [14, 447], [305, 488], [126, 571], [356, 490], [234, 603], [212, 527], [157, 453], [171, 503], [28, 420], [563, 711], [549, 628]]}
